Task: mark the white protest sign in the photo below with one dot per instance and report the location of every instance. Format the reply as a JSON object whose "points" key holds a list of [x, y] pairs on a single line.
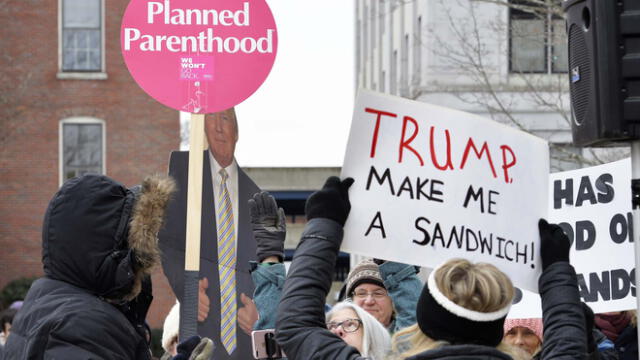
{"points": [[526, 305], [433, 183], [593, 206]]}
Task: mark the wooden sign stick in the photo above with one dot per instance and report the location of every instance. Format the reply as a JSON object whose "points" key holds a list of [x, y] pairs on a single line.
{"points": [[189, 311]]}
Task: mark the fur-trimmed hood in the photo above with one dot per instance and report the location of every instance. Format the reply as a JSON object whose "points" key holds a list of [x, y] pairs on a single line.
{"points": [[102, 237]]}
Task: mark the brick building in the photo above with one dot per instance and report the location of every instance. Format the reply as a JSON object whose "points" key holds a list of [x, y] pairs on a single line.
{"points": [[68, 106]]}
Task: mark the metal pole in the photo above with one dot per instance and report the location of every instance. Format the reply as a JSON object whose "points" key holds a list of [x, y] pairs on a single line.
{"points": [[635, 195]]}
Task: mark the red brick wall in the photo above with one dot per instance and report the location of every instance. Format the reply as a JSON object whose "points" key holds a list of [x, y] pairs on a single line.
{"points": [[140, 132]]}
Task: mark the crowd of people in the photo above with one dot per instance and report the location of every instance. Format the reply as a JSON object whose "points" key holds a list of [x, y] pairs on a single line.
{"points": [[99, 246]]}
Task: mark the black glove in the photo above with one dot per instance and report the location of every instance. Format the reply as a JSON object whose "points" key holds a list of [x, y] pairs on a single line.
{"points": [[194, 348], [330, 202], [589, 319], [268, 225], [554, 244]]}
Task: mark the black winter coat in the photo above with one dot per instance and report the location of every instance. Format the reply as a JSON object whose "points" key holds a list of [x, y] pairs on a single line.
{"points": [[61, 321], [462, 352], [300, 326], [627, 343], [86, 258], [301, 330], [600, 353]]}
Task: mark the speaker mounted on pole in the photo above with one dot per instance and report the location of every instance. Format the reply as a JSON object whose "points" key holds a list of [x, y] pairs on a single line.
{"points": [[604, 70]]}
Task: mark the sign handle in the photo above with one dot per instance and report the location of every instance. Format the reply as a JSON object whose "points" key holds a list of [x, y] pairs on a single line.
{"points": [[189, 306]]}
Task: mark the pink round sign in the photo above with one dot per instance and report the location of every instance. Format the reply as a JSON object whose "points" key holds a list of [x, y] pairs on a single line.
{"points": [[199, 56]]}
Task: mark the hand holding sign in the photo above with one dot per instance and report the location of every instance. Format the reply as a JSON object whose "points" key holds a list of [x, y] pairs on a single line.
{"points": [[330, 202], [554, 244]]}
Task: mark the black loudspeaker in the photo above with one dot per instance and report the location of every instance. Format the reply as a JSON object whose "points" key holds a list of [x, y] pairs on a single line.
{"points": [[604, 70]]}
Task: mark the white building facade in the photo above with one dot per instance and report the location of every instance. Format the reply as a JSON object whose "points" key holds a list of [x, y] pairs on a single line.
{"points": [[504, 59]]}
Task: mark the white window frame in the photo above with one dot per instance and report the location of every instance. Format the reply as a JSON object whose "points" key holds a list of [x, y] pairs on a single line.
{"points": [[548, 49], [79, 120], [77, 75]]}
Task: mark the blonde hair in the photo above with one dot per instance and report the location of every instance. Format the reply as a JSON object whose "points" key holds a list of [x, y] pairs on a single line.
{"points": [[633, 317], [412, 341], [479, 287]]}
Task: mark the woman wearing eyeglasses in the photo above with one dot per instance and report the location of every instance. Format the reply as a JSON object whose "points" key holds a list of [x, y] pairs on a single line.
{"points": [[387, 290], [359, 329]]}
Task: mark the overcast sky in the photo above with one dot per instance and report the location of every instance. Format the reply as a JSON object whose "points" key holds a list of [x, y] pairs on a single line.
{"points": [[301, 115]]}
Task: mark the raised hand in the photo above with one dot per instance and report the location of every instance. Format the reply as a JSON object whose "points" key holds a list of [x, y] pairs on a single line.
{"points": [[269, 226], [330, 202]]}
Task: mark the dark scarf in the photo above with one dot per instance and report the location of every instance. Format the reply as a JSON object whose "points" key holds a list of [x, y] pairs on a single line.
{"points": [[612, 325]]}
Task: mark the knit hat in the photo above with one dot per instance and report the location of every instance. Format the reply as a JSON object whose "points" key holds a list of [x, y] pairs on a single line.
{"points": [[171, 326], [441, 319], [534, 325], [365, 272]]}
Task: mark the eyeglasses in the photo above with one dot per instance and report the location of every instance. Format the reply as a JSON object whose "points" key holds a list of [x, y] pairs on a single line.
{"points": [[377, 294], [349, 325]]}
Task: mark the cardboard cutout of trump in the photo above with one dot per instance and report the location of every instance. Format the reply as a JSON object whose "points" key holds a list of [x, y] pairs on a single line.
{"points": [[226, 243]]}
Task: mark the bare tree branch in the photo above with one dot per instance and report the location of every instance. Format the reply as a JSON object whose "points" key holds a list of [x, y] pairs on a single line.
{"points": [[467, 55], [535, 7]]}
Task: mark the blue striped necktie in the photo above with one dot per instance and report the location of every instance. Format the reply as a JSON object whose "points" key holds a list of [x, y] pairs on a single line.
{"points": [[226, 266]]}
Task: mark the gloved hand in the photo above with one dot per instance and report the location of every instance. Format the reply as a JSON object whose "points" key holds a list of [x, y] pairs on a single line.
{"points": [[195, 348], [330, 202], [554, 244], [589, 319], [268, 225]]}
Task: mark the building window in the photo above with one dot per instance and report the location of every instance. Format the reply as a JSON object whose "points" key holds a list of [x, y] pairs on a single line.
{"points": [[81, 35], [82, 147], [538, 39]]}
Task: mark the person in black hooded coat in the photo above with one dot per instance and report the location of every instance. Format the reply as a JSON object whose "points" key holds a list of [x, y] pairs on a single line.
{"points": [[99, 246]]}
